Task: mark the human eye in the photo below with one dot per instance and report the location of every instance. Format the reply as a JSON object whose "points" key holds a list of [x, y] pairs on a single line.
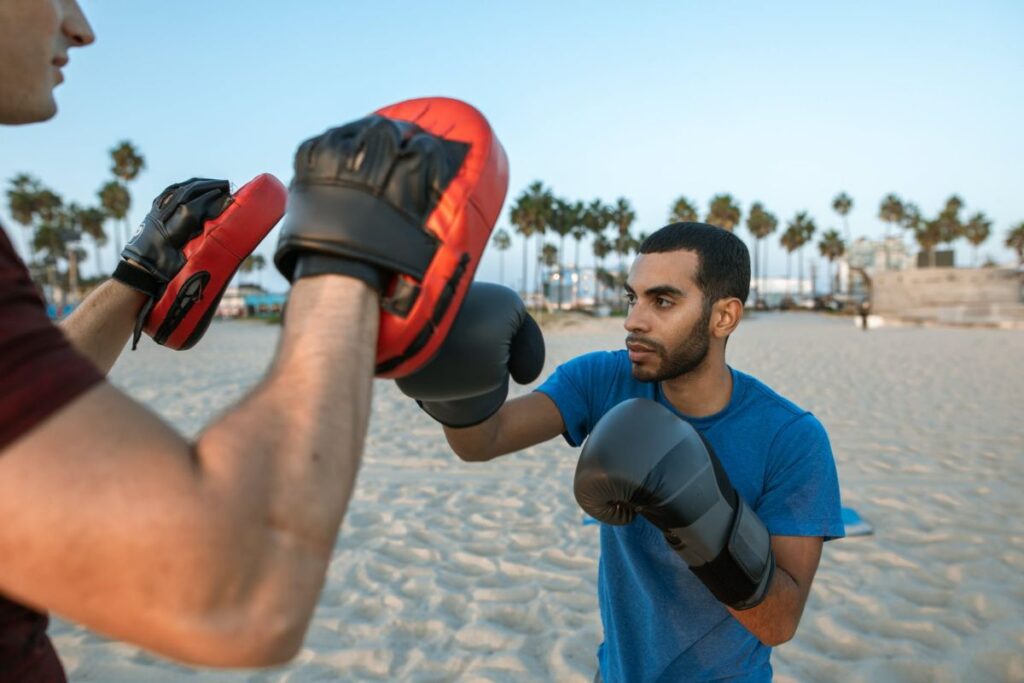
{"points": [[662, 302], [630, 298]]}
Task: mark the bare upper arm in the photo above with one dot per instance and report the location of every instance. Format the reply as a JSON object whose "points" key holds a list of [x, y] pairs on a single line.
{"points": [[520, 423], [105, 520]]}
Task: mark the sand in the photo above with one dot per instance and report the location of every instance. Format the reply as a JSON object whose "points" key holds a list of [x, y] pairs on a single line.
{"points": [[451, 571]]}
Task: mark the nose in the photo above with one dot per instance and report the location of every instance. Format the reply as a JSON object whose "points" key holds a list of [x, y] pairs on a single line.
{"points": [[75, 26], [635, 320]]}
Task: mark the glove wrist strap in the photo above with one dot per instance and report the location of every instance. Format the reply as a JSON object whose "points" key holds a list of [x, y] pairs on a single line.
{"points": [[141, 281], [311, 264]]}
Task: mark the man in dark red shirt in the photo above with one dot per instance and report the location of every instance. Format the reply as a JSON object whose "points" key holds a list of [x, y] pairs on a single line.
{"points": [[213, 551]]}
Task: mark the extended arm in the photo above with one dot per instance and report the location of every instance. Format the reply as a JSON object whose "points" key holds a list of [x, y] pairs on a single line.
{"points": [[212, 552], [465, 386], [520, 423]]}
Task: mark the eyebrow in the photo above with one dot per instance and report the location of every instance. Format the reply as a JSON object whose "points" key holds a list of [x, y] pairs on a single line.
{"points": [[657, 290]]}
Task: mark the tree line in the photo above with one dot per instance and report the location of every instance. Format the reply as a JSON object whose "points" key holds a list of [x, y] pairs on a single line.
{"points": [[56, 230], [537, 211]]}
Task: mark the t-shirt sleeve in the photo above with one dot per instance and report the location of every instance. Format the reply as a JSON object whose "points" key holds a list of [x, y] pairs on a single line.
{"points": [[801, 493], [570, 386], [40, 371]]}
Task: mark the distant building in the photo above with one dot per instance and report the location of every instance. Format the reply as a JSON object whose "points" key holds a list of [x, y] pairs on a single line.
{"points": [[871, 256], [578, 288], [250, 301]]}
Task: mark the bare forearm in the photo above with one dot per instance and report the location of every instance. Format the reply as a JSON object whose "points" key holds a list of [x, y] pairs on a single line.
{"points": [[292, 448], [102, 323], [775, 620]]}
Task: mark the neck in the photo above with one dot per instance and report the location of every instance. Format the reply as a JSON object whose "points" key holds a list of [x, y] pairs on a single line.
{"points": [[703, 391]]}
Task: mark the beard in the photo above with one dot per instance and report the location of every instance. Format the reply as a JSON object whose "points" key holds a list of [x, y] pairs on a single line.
{"points": [[685, 357]]}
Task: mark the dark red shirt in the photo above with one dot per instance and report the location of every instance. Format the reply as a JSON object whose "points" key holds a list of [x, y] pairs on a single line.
{"points": [[39, 373]]}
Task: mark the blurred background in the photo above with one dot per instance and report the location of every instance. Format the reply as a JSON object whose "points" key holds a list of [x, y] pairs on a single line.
{"points": [[837, 139]]}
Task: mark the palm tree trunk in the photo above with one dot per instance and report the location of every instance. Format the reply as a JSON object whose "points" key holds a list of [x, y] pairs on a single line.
{"points": [[73, 275], [789, 270], [757, 286], [526, 244], [561, 270], [800, 271], [99, 262], [764, 270], [576, 269], [539, 275]]}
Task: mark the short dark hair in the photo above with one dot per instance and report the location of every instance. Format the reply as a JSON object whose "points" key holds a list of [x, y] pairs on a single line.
{"points": [[724, 261]]}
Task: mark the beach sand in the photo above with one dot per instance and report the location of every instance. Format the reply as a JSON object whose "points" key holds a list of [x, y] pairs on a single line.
{"points": [[452, 571]]}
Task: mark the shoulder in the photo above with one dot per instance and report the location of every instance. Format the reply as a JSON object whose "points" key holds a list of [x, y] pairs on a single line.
{"points": [[761, 396], [781, 419]]}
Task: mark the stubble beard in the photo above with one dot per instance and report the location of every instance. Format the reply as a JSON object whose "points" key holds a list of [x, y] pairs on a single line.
{"points": [[686, 357]]}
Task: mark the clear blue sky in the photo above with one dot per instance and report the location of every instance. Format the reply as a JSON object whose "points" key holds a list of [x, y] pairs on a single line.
{"points": [[787, 103]]}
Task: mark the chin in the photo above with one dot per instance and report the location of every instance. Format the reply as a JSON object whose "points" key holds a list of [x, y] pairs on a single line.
{"points": [[642, 374], [35, 112]]}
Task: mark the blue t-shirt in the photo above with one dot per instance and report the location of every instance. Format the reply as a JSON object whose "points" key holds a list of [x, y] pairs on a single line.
{"points": [[661, 624]]}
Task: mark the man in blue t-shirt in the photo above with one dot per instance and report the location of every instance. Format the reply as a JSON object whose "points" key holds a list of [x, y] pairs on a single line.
{"points": [[662, 620]]}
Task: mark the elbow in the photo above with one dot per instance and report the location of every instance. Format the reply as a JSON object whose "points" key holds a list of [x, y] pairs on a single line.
{"points": [[472, 456], [467, 450], [782, 632], [244, 634]]}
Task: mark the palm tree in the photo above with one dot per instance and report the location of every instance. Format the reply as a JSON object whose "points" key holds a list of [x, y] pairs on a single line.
{"points": [[622, 217], [126, 165], [52, 235], [22, 201], [1015, 241], [602, 247], [760, 223], [90, 221], [891, 211], [115, 202], [976, 230], [683, 211], [549, 257], [803, 228], [843, 204], [565, 216], [948, 224], [530, 214], [596, 218], [502, 242], [831, 247], [790, 241], [723, 212], [259, 262]]}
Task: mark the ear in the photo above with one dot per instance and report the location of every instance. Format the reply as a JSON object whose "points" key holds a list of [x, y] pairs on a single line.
{"points": [[725, 316]]}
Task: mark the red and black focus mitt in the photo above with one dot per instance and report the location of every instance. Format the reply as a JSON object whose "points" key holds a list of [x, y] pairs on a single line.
{"points": [[404, 199], [187, 249]]}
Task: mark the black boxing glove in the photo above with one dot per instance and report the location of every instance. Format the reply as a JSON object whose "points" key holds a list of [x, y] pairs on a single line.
{"points": [[642, 459], [155, 253], [493, 337], [360, 197]]}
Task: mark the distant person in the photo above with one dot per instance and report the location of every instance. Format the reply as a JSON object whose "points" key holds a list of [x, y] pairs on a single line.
{"points": [[717, 492], [212, 551], [864, 309]]}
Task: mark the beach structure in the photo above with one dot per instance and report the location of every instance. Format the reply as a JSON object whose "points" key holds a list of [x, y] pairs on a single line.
{"points": [[953, 296]]}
